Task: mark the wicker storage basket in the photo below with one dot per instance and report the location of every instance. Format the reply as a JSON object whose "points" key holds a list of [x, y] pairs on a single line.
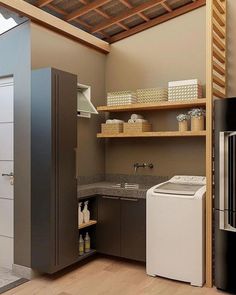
{"points": [[183, 126], [121, 98], [137, 127], [112, 128], [197, 124], [184, 90], [152, 95]]}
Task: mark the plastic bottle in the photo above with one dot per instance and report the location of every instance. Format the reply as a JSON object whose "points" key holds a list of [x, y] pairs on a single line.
{"points": [[86, 213], [87, 243], [81, 245], [80, 214]]}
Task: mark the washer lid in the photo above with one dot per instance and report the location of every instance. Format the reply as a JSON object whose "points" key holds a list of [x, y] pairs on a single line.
{"points": [[178, 189]]}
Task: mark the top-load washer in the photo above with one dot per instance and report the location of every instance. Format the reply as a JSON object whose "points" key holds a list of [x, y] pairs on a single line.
{"points": [[176, 229]]}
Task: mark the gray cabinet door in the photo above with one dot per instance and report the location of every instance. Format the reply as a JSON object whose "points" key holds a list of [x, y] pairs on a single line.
{"points": [[133, 229], [54, 221], [65, 168], [108, 227]]}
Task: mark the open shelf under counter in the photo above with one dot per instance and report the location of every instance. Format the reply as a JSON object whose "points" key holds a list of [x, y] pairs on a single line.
{"points": [[155, 134], [87, 224], [200, 102], [86, 255]]}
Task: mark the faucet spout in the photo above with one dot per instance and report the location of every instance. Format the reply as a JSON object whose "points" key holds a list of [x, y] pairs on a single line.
{"points": [[143, 165]]}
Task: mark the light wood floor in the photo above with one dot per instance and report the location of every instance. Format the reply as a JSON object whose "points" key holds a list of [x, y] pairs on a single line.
{"points": [[105, 276]]}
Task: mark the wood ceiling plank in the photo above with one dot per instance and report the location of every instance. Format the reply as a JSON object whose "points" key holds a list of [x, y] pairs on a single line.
{"points": [[42, 3], [81, 11], [159, 20], [127, 4], [49, 21], [56, 9], [126, 14]]}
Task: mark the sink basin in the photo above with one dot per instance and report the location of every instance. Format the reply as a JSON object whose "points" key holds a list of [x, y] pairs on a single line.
{"points": [[126, 185]]}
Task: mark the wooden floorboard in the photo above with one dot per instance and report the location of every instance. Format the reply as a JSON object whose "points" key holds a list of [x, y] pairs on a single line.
{"points": [[106, 276]]}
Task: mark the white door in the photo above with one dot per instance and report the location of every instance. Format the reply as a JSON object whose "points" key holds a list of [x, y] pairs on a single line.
{"points": [[6, 172]]}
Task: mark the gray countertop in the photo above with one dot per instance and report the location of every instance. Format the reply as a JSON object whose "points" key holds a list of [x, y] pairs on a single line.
{"points": [[107, 188]]}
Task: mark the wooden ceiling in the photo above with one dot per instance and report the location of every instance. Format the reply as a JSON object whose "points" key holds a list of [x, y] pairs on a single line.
{"points": [[113, 20]]}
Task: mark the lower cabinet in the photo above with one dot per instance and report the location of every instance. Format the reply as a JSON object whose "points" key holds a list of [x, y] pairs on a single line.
{"points": [[133, 229], [121, 228], [108, 227]]}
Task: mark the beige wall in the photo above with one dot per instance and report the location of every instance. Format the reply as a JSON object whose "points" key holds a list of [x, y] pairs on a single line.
{"points": [[50, 49], [174, 50], [231, 48]]}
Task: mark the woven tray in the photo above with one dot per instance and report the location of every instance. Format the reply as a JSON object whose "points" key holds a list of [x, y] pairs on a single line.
{"points": [[137, 127], [113, 128]]}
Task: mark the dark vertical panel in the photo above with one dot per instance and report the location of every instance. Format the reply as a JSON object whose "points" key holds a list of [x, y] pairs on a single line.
{"points": [[54, 189], [41, 170], [66, 166]]}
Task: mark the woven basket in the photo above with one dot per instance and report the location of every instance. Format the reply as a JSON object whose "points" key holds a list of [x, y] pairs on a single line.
{"points": [[197, 124], [112, 128], [150, 95], [183, 126], [137, 127]]}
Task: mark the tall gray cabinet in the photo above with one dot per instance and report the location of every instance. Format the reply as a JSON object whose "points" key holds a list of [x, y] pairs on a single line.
{"points": [[53, 170]]}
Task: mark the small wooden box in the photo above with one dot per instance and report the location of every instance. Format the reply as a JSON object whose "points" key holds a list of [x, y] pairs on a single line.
{"points": [[112, 128], [137, 127]]}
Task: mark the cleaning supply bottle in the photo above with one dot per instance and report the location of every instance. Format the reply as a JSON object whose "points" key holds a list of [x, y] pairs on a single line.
{"points": [[86, 213], [87, 243], [81, 245], [80, 214]]}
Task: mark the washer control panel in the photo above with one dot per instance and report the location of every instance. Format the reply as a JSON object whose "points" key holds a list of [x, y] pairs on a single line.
{"points": [[186, 179]]}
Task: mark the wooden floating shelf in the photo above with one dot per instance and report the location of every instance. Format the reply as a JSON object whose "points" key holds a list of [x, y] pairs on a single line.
{"points": [[90, 223], [155, 134], [201, 102]]}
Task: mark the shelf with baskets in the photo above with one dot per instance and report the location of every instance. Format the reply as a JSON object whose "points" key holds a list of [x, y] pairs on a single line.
{"points": [[155, 134], [200, 102]]}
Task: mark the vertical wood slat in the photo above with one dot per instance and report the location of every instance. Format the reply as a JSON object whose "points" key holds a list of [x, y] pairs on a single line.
{"points": [[209, 126], [216, 76]]}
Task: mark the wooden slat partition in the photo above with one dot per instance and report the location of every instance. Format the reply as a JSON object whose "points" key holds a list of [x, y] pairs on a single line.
{"points": [[216, 88]]}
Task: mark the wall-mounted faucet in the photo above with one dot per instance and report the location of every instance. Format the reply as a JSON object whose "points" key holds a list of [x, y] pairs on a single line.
{"points": [[143, 165]]}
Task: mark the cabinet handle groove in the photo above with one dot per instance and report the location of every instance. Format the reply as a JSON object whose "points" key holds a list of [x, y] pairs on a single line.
{"points": [[111, 198], [129, 199]]}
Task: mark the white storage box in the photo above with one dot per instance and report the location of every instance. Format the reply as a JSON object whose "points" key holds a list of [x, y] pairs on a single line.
{"points": [[121, 98], [184, 90]]}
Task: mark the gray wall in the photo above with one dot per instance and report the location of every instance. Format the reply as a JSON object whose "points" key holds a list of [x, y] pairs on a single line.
{"points": [[15, 60], [50, 49], [174, 50]]}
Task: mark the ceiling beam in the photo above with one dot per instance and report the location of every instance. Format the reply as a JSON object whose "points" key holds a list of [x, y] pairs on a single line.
{"points": [[81, 11], [104, 14], [49, 21], [127, 4], [42, 3], [166, 6], [83, 23], [161, 19], [126, 14]]}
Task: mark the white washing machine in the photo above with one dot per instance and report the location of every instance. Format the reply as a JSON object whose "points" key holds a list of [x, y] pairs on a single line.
{"points": [[176, 229]]}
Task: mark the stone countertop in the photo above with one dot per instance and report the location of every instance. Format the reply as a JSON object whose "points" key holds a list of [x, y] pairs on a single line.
{"points": [[107, 189]]}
